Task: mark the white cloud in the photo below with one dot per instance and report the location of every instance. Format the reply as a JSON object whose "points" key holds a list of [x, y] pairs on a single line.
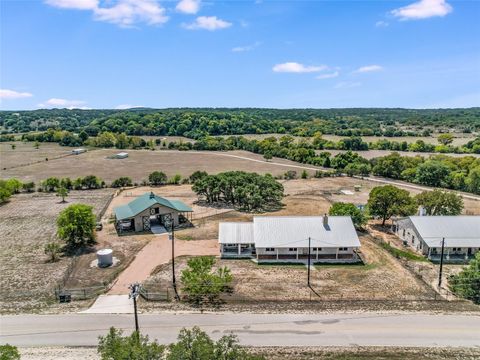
{"points": [[127, 106], [74, 4], [247, 47], [368, 68], [347, 85], [423, 9], [128, 12], [381, 23], [210, 23], [328, 76], [294, 67], [63, 103], [12, 94], [125, 13], [188, 6]]}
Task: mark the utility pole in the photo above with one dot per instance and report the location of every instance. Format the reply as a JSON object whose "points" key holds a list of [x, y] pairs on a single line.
{"points": [[134, 292], [441, 265], [174, 282], [308, 268]]}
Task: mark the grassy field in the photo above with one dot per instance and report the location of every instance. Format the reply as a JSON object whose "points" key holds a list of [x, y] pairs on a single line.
{"points": [[27, 223], [140, 163], [26, 153]]}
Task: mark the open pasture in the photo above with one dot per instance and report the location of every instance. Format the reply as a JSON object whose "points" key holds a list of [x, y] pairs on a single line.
{"points": [[140, 163]]}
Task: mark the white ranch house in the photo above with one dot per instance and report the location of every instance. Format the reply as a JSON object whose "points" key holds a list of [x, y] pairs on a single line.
{"points": [[286, 238], [425, 234]]}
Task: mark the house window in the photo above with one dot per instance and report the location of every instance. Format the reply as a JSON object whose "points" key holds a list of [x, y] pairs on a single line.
{"points": [[292, 249], [270, 249], [317, 249], [403, 232], [456, 249], [343, 249]]}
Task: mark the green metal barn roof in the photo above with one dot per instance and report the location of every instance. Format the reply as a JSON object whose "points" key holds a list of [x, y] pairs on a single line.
{"points": [[146, 201]]}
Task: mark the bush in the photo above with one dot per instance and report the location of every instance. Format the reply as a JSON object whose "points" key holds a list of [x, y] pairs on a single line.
{"points": [[121, 182], [52, 249], [201, 283], [290, 175], [157, 178], [76, 225], [4, 192], [9, 352], [466, 284]]}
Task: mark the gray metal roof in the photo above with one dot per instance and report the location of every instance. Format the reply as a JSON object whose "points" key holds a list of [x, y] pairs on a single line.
{"points": [[235, 233], [294, 231], [458, 231]]}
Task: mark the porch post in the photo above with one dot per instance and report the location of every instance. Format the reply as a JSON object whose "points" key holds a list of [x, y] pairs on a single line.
{"points": [[317, 253], [336, 254], [297, 253], [428, 256], [448, 253], [239, 249], [277, 253]]}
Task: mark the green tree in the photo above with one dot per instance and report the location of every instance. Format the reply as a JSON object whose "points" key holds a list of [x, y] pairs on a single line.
{"points": [[445, 139], [52, 249], [197, 175], [76, 224], [304, 174], [466, 284], [157, 178], [175, 180], [473, 180], [9, 352], [432, 173], [290, 175], [63, 193], [114, 346], [195, 344], [4, 192], [91, 182], [13, 185], [439, 202], [387, 201], [122, 182], [347, 209], [201, 283], [267, 156], [50, 184]]}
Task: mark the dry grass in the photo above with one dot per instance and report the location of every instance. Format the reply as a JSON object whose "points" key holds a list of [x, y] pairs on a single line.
{"points": [[28, 223], [140, 163], [25, 153]]}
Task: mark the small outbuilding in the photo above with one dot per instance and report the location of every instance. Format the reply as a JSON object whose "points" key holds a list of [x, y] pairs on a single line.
{"points": [[78, 151], [121, 155], [149, 211]]}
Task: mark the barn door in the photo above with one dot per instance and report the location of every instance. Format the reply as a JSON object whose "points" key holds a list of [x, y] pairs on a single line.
{"points": [[146, 223]]}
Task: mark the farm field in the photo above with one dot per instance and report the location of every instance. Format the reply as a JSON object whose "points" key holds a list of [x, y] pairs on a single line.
{"points": [[460, 138], [370, 154], [27, 223], [25, 153], [140, 163]]}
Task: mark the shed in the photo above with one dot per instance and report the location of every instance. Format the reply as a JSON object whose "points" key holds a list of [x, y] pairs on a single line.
{"points": [[78, 151], [121, 155]]}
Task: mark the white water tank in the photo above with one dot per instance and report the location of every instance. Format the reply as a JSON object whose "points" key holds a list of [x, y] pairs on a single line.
{"points": [[105, 257]]}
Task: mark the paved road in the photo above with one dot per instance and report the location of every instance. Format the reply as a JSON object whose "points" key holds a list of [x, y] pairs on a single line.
{"points": [[253, 329]]}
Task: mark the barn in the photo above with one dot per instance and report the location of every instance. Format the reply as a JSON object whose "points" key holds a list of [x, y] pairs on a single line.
{"points": [[150, 212]]}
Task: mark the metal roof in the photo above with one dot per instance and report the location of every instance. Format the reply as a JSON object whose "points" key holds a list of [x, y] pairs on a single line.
{"points": [[235, 233], [146, 201], [458, 231], [294, 231]]}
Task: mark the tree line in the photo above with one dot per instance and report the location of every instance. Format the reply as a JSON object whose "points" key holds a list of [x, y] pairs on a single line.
{"points": [[199, 122]]}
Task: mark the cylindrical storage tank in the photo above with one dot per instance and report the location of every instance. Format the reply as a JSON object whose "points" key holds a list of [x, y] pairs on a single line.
{"points": [[105, 257]]}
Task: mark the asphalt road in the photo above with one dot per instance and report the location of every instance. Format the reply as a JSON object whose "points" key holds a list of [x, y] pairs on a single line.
{"points": [[253, 329]]}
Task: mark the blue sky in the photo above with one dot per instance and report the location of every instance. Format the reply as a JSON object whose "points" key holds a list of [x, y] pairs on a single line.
{"points": [[191, 53]]}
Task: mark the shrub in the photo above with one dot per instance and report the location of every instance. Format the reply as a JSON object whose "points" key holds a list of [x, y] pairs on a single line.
{"points": [[9, 352], [52, 249], [157, 178], [121, 182]]}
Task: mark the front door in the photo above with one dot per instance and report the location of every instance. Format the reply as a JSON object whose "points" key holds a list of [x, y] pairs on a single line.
{"points": [[469, 251]]}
